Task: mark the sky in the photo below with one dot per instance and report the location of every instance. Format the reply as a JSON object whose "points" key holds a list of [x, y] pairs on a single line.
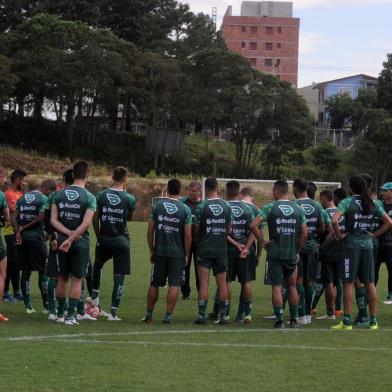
{"points": [[338, 38]]}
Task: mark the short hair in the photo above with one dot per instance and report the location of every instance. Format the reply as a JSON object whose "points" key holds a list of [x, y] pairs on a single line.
{"points": [[48, 185], [340, 194], [17, 175], [3, 170], [312, 189], [327, 193], [301, 184], [211, 184], [282, 187], [196, 184], [68, 177], [80, 170], [232, 188], [174, 187], [120, 173], [368, 179], [247, 191]]}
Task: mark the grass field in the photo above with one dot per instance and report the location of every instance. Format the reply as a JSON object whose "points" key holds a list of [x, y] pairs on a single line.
{"points": [[130, 356]]}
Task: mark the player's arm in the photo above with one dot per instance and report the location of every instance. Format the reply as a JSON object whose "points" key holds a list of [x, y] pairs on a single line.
{"points": [[132, 206], [150, 238], [187, 241], [57, 225], [248, 244], [96, 223], [321, 221], [303, 236], [14, 222], [385, 227], [335, 225], [39, 219], [236, 244]]}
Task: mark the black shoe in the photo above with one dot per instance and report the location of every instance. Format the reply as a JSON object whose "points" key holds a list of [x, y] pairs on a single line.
{"points": [[293, 324], [278, 324], [167, 321], [200, 321]]}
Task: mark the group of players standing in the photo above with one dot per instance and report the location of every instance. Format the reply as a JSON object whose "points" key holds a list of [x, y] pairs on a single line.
{"points": [[332, 245]]}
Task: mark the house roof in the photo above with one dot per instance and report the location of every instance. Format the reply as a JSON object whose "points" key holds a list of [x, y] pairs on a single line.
{"points": [[363, 76]]}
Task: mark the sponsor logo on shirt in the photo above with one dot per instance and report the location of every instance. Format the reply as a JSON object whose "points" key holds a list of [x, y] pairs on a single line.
{"points": [[170, 208], [216, 209], [237, 211], [71, 194], [308, 209], [114, 200], [359, 203], [286, 209], [29, 198]]}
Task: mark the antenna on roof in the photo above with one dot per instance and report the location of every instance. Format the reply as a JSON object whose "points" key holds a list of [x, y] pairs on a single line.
{"points": [[214, 15]]}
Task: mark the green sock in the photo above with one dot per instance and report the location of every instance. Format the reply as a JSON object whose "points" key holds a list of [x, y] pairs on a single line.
{"points": [[301, 303], [26, 288], [43, 282], [72, 304], [285, 295], [248, 307], [202, 305], [80, 306], [347, 319], [97, 274], [339, 296], [240, 311], [149, 313], [361, 298], [278, 311], [373, 320], [168, 316], [117, 293], [293, 312], [317, 294], [61, 306], [52, 284], [308, 299]]}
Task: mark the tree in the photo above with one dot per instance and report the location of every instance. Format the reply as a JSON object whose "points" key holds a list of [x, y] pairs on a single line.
{"points": [[326, 158], [15, 12], [340, 108], [384, 89], [7, 82]]}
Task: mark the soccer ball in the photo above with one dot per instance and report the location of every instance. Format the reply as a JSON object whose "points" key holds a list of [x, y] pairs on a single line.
{"points": [[91, 310]]}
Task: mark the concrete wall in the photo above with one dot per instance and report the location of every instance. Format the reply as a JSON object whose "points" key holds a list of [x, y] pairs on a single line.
{"points": [[311, 96], [278, 9]]}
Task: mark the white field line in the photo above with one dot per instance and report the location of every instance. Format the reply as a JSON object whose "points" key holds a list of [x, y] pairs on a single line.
{"points": [[225, 345], [185, 332]]}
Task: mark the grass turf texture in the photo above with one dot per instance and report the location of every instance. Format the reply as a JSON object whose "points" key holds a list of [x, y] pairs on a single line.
{"points": [[39, 355]]}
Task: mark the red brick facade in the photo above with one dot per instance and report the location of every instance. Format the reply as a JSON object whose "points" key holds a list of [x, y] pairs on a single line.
{"points": [[270, 44]]}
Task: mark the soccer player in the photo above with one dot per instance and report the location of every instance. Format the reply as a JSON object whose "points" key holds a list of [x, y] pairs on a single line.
{"points": [[212, 225], [12, 195], [308, 260], [32, 251], [169, 237], [359, 212], [114, 210], [192, 201], [287, 235], [240, 240], [339, 194], [72, 213], [5, 213]]}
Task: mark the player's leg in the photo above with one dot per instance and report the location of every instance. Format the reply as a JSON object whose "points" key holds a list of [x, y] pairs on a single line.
{"points": [[3, 273], [290, 274], [186, 288], [221, 282], [101, 257], [13, 274], [245, 277], [73, 298], [388, 262], [43, 282], [203, 271], [366, 275], [275, 279], [89, 278], [52, 273], [330, 292], [300, 288], [176, 277]]}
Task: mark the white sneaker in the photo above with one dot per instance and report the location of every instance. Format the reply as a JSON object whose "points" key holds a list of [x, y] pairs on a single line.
{"points": [[45, 311], [102, 313], [85, 316], [71, 322], [60, 319], [113, 318], [272, 317], [30, 311], [326, 317], [302, 320], [387, 302], [52, 317], [309, 319]]}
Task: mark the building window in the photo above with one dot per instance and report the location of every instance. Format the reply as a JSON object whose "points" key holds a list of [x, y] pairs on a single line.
{"points": [[253, 30], [346, 91], [243, 44], [268, 46], [268, 62], [253, 45], [269, 30], [279, 45], [253, 62], [279, 30], [243, 29], [277, 63]]}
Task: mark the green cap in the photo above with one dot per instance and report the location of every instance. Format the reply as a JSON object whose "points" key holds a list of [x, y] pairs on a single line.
{"points": [[387, 186]]}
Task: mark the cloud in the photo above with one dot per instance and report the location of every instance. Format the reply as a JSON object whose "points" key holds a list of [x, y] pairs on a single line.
{"points": [[311, 42], [336, 3]]}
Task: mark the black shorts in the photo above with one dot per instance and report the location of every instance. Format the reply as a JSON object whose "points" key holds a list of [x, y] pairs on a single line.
{"points": [[32, 254], [308, 266], [167, 269], [219, 265], [331, 271], [11, 248], [75, 262], [239, 269], [277, 271], [116, 248]]}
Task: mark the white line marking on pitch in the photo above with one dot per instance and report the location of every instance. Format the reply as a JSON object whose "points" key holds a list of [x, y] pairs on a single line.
{"points": [[224, 345]]}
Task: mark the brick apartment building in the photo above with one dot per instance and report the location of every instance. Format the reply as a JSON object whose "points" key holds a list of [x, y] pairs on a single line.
{"points": [[267, 34]]}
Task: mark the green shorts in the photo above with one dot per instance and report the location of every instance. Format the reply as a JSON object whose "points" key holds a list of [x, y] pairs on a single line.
{"points": [[358, 259], [239, 269], [308, 266], [219, 265], [277, 271], [52, 268], [3, 251], [32, 253], [75, 262], [167, 269], [116, 248]]}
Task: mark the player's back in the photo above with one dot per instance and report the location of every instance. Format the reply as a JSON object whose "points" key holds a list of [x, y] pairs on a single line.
{"points": [[29, 206]]}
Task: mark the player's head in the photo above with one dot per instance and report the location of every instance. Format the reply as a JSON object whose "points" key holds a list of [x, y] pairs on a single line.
{"points": [[247, 194], [18, 179], [194, 191], [300, 186], [68, 178], [338, 195], [359, 187], [120, 175], [211, 186], [3, 175], [174, 187], [311, 191], [280, 189], [80, 170], [48, 186], [232, 190], [326, 198], [386, 192]]}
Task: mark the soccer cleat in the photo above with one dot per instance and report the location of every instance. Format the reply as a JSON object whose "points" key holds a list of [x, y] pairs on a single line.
{"points": [[200, 321], [223, 321], [80, 317], [271, 317], [60, 319], [374, 326], [293, 324], [30, 310], [338, 313], [146, 319], [327, 317], [309, 319], [113, 318], [364, 323], [303, 320], [388, 301], [52, 317], [342, 326], [3, 317], [247, 319], [71, 321], [278, 324], [213, 316]]}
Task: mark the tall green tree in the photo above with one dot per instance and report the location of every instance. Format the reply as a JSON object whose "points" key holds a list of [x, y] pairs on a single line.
{"points": [[384, 89]]}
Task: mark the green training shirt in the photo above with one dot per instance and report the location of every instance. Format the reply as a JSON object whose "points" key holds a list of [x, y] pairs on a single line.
{"points": [[212, 216], [170, 217], [113, 208], [284, 219], [3, 202], [333, 250]]}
